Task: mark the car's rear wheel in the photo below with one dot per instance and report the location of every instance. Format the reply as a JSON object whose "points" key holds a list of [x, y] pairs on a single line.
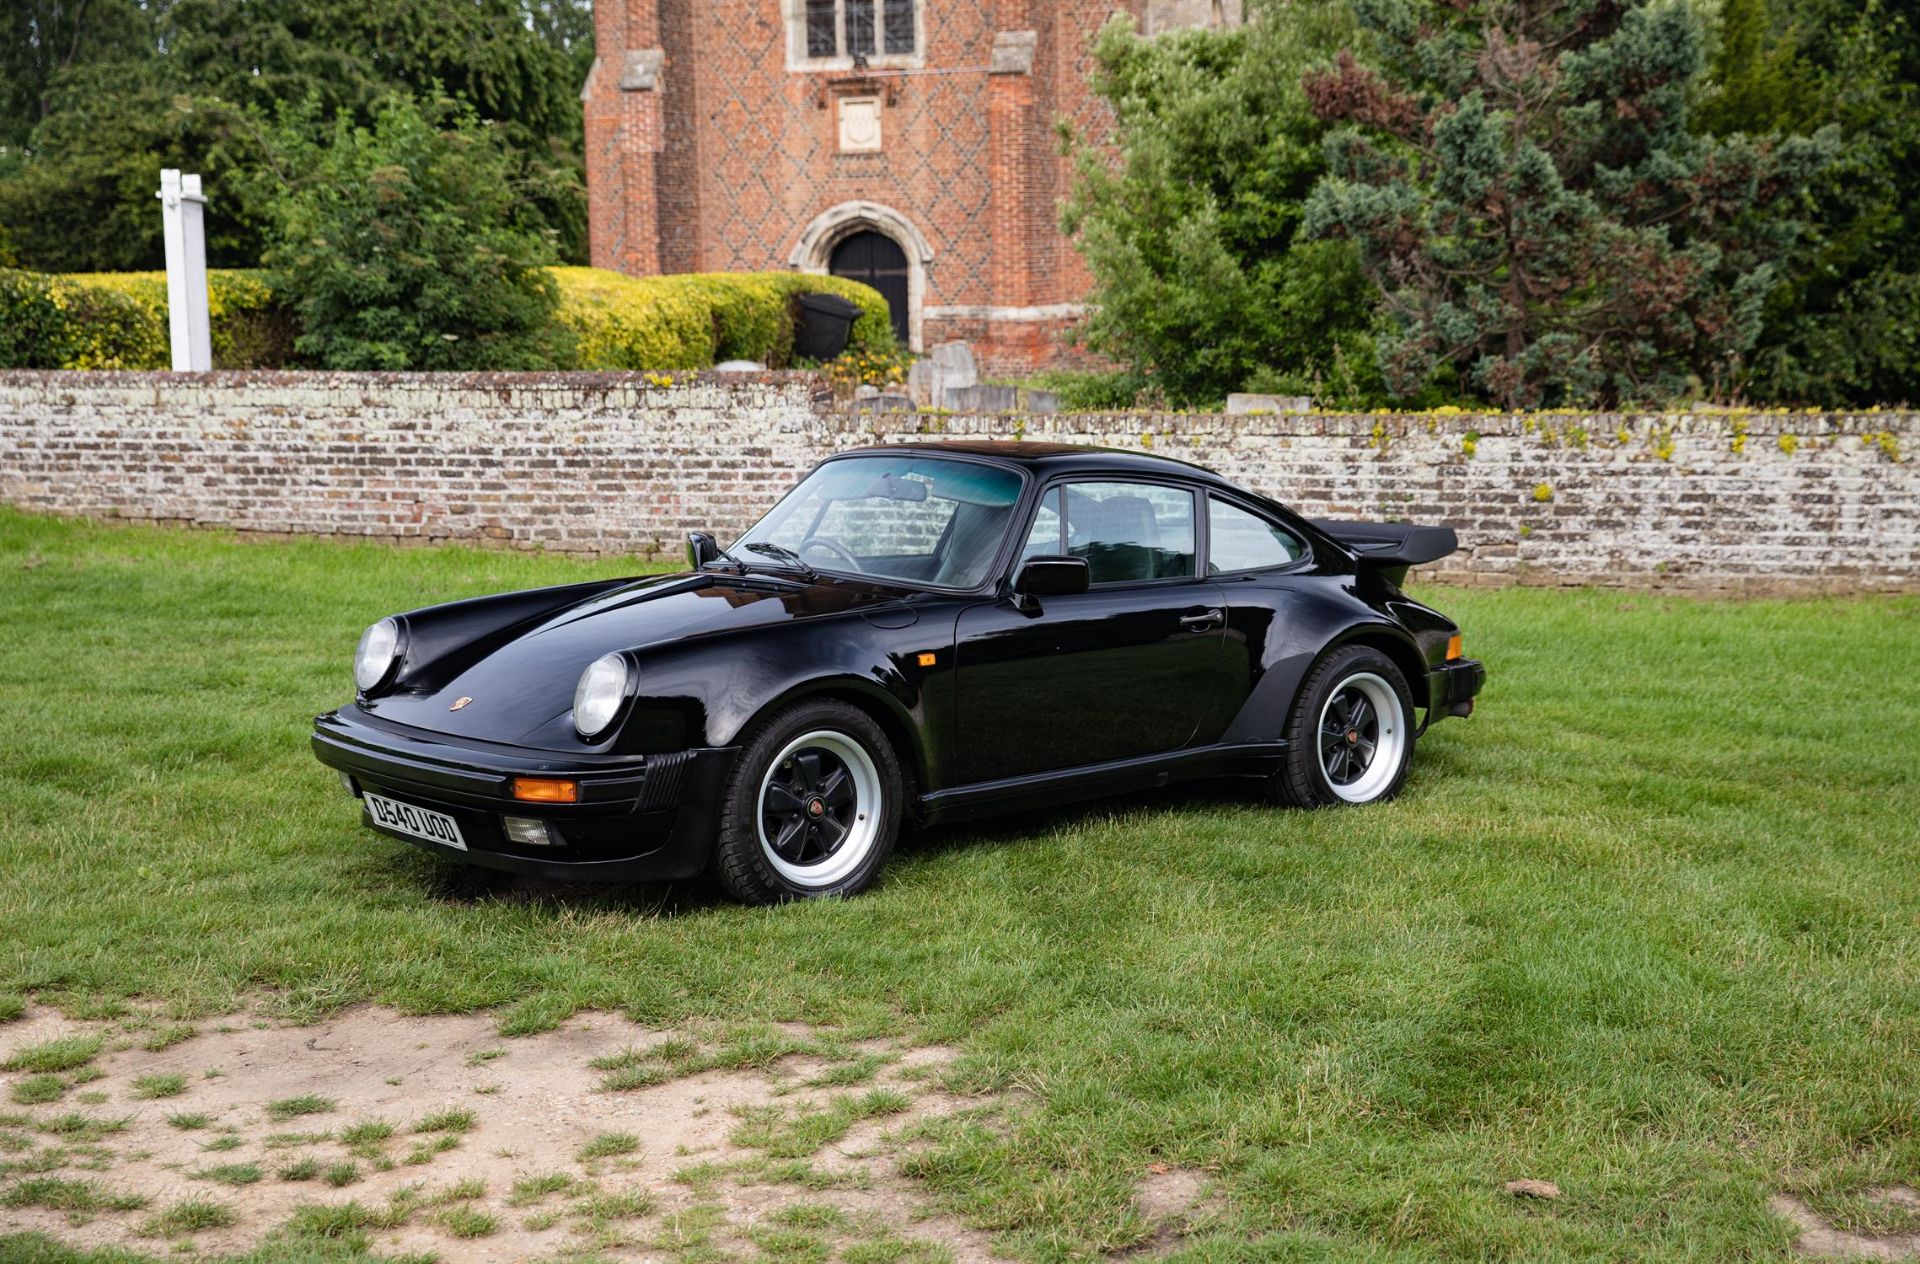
{"points": [[1350, 737], [812, 808]]}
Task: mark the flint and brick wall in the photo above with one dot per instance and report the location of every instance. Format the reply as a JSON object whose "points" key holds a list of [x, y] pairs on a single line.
{"points": [[630, 462]]}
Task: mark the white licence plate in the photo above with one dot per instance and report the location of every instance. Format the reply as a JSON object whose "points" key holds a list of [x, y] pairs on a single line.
{"points": [[435, 827]]}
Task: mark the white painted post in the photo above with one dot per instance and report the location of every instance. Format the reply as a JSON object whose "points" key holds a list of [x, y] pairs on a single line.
{"points": [[188, 320]]}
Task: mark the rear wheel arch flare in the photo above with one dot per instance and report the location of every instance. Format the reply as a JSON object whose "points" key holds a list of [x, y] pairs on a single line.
{"points": [[1405, 655]]}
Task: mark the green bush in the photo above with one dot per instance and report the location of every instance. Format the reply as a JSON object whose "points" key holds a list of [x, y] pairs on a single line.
{"points": [[400, 245], [32, 323]]}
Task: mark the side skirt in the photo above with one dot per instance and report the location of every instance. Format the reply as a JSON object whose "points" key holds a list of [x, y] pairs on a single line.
{"points": [[1093, 781]]}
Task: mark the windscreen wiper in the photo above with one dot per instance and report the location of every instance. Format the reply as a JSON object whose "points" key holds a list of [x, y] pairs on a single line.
{"points": [[785, 554]]}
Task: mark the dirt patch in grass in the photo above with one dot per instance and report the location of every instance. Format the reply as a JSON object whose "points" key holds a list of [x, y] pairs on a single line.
{"points": [[1821, 1237], [523, 1153]]}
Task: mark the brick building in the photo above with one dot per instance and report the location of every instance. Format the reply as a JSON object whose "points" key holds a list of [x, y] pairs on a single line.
{"points": [[908, 143]]}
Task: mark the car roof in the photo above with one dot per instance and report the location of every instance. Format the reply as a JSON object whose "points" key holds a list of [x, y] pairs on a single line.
{"points": [[1052, 458]]}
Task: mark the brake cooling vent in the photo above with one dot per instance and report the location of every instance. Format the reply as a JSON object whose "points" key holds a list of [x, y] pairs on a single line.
{"points": [[662, 786]]}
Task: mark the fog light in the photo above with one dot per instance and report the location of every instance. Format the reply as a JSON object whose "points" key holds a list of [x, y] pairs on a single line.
{"points": [[527, 833], [346, 779], [544, 790]]}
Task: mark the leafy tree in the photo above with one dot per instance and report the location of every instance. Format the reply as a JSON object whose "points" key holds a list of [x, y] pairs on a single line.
{"points": [[182, 94], [86, 202], [1843, 325], [1189, 214], [1525, 190], [397, 246], [41, 39]]}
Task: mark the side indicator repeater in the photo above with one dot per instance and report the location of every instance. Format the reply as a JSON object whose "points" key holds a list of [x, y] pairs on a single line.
{"points": [[927, 659], [1456, 647]]}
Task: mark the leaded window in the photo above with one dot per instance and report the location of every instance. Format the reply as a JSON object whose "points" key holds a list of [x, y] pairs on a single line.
{"points": [[861, 28]]}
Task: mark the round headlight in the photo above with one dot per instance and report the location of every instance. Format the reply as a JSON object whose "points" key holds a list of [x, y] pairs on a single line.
{"points": [[598, 695], [378, 645]]}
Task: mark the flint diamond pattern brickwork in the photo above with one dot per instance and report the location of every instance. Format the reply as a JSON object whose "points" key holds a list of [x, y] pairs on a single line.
{"points": [[619, 463]]}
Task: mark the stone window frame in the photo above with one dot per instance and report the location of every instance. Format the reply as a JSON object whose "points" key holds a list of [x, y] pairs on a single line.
{"points": [[798, 60]]}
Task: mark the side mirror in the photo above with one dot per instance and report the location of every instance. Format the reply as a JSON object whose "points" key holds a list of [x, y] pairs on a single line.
{"points": [[701, 549], [1052, 577]]}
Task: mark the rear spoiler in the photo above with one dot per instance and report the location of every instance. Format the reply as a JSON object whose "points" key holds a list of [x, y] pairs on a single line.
{"points": [[1391, 546]]}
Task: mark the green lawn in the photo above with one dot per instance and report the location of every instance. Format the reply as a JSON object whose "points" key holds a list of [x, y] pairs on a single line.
{"points": [[1647, 927]]}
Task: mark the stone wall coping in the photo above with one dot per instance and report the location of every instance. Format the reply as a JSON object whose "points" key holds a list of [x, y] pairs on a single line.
{"points": [[1554, 425], [326, 379]]}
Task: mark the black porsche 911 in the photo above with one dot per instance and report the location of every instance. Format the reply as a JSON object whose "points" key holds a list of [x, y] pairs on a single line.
{"points": [[917, 632]]}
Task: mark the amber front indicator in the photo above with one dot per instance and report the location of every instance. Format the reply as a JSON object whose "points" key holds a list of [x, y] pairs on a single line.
{"points": [[1455, 648], [542, 790]]}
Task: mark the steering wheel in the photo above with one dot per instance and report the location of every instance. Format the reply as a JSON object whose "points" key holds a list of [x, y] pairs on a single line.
{"points": [[820, 541]]}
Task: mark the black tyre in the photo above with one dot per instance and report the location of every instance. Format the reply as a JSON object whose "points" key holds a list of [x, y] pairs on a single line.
{"points": [[1350, 737], [812, 808]]}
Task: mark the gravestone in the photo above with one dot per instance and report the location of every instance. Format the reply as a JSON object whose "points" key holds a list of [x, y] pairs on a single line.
{"points": [[1244, 403], [948, 367], [983, 399]]}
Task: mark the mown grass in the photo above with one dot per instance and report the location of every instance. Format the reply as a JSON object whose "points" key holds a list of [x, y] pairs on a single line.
{"points": [[1645, 927]]}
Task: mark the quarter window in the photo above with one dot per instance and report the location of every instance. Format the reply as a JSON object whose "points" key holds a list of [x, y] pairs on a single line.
{"points": [[1241, 541], [844, 29], [1128, 532], [1045, 540]]}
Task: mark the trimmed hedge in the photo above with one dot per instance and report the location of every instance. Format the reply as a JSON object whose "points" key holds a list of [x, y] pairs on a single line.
{"points": [[698, 319], [118, 320]]}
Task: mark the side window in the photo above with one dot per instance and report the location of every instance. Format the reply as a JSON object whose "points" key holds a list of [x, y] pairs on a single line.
{"points": [[1130, 531], [1044, 539], [1240, 541]]}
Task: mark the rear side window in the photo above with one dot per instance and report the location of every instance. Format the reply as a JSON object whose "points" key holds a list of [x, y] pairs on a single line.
{"points": [[1129, 532], [1242, 541]]}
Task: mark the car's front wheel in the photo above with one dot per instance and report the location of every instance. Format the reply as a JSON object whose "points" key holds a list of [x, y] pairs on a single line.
{"points": [[812, 808], [1350, 738]]}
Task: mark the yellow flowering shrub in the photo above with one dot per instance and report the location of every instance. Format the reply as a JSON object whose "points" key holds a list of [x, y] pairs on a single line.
{"points": [[250, 330], [695, 320], [118, 320]]}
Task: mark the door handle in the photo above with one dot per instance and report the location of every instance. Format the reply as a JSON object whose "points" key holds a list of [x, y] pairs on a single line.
{"points": [[1203, 620]]}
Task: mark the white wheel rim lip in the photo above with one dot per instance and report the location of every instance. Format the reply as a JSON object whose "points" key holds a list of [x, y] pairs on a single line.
{"points": [[1388, 752], [861, 836]]}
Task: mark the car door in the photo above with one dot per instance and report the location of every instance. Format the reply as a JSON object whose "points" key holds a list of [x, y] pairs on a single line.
{"points": [[1257, 563], [1125, 669]]}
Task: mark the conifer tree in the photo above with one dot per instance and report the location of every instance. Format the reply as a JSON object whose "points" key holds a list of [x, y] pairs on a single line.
{"points": [[1524, 189]]}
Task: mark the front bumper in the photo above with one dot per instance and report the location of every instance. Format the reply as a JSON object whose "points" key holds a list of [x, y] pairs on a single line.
{"points": [[640, 818], [1452, 688]]}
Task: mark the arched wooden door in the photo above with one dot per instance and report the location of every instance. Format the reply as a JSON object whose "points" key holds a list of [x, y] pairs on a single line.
{"points": [[874, 259]]}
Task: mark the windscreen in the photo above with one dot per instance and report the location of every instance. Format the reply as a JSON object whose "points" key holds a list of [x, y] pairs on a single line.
{"points": [[917, 518]]}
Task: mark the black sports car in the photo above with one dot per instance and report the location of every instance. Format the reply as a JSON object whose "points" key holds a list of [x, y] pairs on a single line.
{"points": [[916, 632]]}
